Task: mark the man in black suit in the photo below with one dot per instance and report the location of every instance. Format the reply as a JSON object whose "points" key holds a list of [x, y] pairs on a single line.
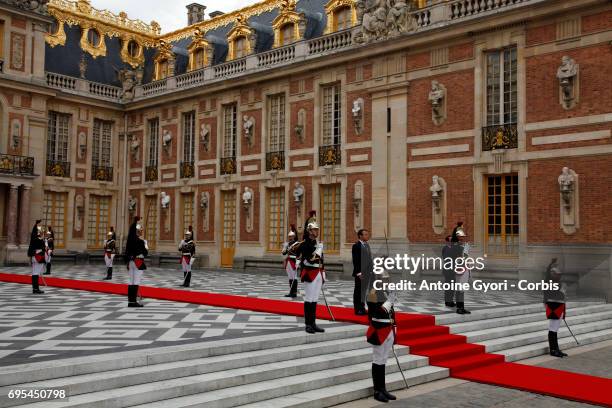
{"points": [[362, 270]]}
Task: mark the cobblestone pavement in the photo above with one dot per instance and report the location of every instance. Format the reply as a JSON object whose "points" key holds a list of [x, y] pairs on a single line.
{"points": [[474, 395]]}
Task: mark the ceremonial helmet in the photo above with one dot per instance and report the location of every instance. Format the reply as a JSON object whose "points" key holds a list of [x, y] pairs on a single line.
{"points": [[291, 234], [139, 229], [39, 232], [461, 233], [313, 226], [188, 234], [110, 234]]}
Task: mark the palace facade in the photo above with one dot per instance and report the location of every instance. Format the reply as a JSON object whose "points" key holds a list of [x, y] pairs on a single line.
{"points": [[400, 117]]}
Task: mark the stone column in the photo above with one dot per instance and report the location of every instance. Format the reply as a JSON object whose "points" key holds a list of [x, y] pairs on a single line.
{"points": [[24, 216], [11, 218]]}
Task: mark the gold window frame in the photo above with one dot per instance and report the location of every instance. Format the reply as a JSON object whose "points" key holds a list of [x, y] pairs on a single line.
{"points": [[288, 16], [330, 10], [95, 51], [200, 43], [133, 61], [241, 29]]}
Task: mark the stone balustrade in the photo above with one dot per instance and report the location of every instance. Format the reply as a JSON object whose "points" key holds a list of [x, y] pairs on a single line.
{"points": [[442, 13]]}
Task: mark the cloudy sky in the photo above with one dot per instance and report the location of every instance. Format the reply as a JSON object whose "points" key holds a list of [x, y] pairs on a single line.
{"points": [[170, 14]]}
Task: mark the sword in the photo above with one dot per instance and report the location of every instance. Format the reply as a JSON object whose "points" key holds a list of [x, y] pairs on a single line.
{"points": [[570, 330], [45, 282], [327, 304], [399, 366]]}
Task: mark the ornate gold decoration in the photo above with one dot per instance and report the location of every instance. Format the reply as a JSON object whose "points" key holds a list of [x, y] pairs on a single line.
{"points": [[199, 43], [241, 29], [95, 50], [133, 61], [58, 37], [330, 10], [224, 20], [164, 54], [288, 15]]}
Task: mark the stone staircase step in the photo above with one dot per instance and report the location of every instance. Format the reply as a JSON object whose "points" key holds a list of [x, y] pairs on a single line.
{"points": [[338, 394], [492, 323], [109, 380], [23, 373], [281, 387], [500, 344], [539, 326]]}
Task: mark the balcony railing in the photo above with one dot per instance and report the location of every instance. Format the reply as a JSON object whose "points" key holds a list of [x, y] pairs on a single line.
{"points": [[16, 165], [497, 137], [151, 173], [101, 173], [56, 168], [330, 155], [187, 170], [228, 165], [275, 161]]}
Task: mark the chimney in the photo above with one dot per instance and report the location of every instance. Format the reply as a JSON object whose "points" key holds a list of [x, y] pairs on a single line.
{"points": [[216, 14], [195, 13]]}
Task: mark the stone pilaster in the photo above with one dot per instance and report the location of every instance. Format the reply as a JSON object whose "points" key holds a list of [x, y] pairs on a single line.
{"points": [[24, 216], [11, 218]]}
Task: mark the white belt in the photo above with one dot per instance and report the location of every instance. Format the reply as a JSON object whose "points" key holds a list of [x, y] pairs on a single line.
{"points": [[382, 320], [188, 254], [313, 265]]}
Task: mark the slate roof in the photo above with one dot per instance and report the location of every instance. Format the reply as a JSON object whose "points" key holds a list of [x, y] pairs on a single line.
{"points": [[65, 59]]}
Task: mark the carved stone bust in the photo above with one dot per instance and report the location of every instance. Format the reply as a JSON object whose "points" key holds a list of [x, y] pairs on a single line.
{"points": [[568, 68], [165, 200], [566, 180], [435, 188], [247, 196], [132, 203], [298, 192]]}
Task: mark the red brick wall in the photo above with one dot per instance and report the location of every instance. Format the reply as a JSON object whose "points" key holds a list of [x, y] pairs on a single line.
{"points": [[418, 61], [438, 143], [594, 77], [541, 34], [597, 22], [459, 202], [573, 129], [353, 152], [459, 103], [461, 52], [543, 212], [254, 235], [366, 179], [308, 106], [366, 133]]}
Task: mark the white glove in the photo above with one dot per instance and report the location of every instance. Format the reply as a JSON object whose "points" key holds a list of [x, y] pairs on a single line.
{"points": [[146, 244], [319, 250], [387, 306], [191, 261]]}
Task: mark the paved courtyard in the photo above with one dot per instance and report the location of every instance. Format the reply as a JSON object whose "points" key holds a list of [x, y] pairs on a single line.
{"points": [[66, 323]]}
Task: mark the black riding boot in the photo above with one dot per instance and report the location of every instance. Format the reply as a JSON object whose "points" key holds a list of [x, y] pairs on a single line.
{"points": [[109, 273], [378, 382], [314, 318], [290, 286], [461, 308], [187, 279], [308, 318], [294, 289], [48, 272], [35, 288], [132, 295], [383, 384], [553, 345]]}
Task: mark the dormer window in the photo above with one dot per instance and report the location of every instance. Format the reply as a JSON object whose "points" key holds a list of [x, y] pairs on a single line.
{"points": [[200, 52], [342, 18], [56, 34], [132, 52], [289, 26], [92, 42], [341, 15], [164, 61], [241, 39]]}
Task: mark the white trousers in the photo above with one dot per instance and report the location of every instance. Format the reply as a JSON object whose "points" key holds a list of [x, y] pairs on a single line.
{"points": [[186, 266], [380, 354], [291, 271], [109, 261], [555, 324], [37, 268], [135, 274], [313, 289]]}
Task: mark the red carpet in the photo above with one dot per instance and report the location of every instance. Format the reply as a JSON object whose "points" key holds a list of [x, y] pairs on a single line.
{"points": [[419, 332]]}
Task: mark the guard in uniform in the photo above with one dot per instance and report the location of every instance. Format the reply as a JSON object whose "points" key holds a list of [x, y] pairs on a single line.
{"points": [[381, 335], [187, 248], [554, 300], [49, 247], [36, 253], [312, 219], [135, 252], [312, 273], [461, 249], [290, 262], [110, 248]]}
